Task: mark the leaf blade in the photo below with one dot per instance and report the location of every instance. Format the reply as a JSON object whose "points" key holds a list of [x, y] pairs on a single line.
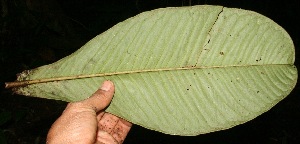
{"points": [[175, 65]]}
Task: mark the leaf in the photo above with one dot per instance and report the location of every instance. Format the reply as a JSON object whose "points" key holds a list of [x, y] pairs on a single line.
{"points": [[182, 71]]}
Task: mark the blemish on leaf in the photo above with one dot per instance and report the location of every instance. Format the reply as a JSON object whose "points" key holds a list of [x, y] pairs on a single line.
{"points": [[257, 60], [221, 53], [207, 49]]}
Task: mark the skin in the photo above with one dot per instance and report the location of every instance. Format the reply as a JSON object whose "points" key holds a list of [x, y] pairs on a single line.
{"points": [[85, 122]]}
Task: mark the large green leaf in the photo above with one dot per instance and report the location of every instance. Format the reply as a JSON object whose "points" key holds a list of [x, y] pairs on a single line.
{"points": [[184, 71]]}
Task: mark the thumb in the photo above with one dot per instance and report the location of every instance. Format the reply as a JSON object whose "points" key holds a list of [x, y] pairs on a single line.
{"points": [[102, 97]]}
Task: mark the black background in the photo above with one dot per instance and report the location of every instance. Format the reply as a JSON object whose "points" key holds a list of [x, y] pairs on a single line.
{"points": [[34, 33]]}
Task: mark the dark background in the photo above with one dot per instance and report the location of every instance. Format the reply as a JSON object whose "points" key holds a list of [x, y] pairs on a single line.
{"points": [[38, 32]]}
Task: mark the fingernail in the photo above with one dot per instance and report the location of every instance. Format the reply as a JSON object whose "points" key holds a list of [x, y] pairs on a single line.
{"points": [[106, 86], [101, 133]]}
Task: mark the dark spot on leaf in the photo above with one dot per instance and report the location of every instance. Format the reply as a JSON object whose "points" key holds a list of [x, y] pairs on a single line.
{"points": [[258, 59], [257, 92], [221, 53], [187, 89]]}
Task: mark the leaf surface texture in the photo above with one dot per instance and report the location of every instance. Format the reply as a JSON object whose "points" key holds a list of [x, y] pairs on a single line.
{"points": [[182, 71]]}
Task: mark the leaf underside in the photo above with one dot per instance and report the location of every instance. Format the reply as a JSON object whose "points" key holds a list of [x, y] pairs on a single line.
{"points": [[182, 71]]}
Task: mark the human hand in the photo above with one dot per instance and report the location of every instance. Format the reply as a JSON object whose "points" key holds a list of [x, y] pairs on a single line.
{"points": [[86, 122]]}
